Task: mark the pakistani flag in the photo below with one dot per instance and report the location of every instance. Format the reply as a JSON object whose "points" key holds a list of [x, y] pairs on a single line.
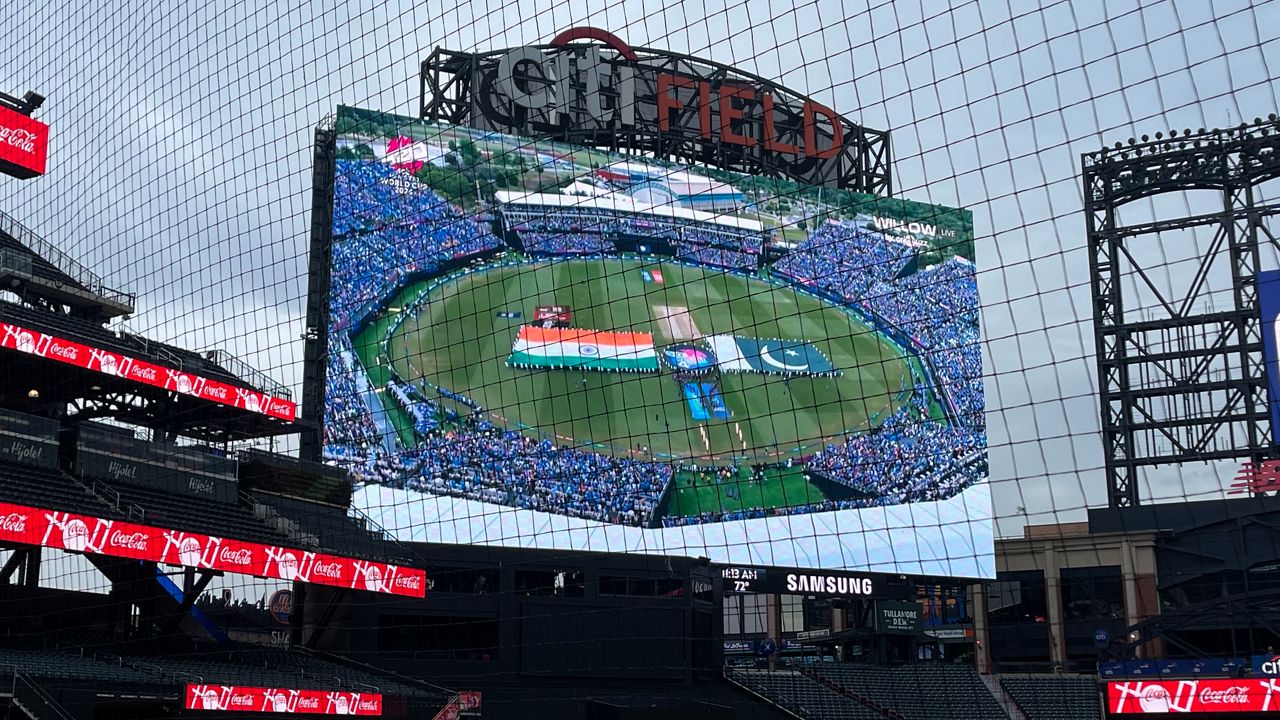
{"points": [[775, 357], [574, 349]]}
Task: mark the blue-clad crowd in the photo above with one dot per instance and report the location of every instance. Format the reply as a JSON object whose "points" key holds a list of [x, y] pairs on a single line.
{"points": [[385, 224], [508, 468]]}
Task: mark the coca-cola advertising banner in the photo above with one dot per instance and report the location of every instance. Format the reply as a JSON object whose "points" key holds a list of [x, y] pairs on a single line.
{"points": [[1220, 695], [118, 365], [469, 701], [234, 698], [24, 144], [116, 538]]}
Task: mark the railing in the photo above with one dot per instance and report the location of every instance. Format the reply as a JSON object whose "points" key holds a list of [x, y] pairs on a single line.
{"points": [[368, 669], [370, 525], [38, 695], [248, 373], [111, 496], [60, 260]]}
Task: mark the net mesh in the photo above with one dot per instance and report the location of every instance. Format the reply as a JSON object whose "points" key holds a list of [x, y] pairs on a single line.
{"points": [[564, 387]]}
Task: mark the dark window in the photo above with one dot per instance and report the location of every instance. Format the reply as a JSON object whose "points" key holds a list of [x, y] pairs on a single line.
{"points": [[1092, 593], [462, 580], [817, 613], [438, 637], [535, 583], [943, 604], [613, 585], [571, 583], [1017, 597], [669, 587]]}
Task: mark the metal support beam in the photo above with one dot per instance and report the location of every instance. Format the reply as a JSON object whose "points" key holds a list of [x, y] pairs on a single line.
{"points": [[11, 565], [1180, 384]]}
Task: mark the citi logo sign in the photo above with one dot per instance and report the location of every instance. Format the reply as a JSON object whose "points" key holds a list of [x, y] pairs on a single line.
{"points": [[1271, 665]]}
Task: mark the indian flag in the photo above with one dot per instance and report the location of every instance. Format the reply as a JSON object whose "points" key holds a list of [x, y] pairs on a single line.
{"points": [[569, 348]]}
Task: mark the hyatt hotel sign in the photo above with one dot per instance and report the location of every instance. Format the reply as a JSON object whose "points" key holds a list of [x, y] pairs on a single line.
{"points": [[589, 87]]}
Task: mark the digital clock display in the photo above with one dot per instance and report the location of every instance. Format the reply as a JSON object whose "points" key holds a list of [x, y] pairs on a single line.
{"points": [[743, 579]]}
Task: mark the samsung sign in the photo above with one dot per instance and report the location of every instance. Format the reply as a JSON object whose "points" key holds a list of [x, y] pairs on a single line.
{"points": [[805, 584]]}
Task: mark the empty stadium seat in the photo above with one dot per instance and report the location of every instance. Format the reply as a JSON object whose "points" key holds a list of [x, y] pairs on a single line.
{"points": [[197, 515], [919, 692], [49, 489], [1050, 697], [73, 666], [336, 530], [801, 695]]}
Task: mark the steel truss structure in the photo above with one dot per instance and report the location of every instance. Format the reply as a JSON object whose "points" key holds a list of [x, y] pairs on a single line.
{"points": [[1185, 382], [459, 88]]}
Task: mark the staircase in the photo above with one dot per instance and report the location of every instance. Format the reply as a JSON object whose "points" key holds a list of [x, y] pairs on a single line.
{"points": [[34, 702], [1006, 701]]}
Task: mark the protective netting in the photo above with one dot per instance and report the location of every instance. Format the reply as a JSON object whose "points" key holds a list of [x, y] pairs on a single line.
{"points": [[755, 346]]}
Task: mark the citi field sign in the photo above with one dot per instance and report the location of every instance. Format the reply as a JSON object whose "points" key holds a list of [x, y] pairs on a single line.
{"points": [[588, 86]]}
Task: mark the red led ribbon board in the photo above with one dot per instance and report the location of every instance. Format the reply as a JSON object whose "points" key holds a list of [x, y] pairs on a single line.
{"points": [[1194, 696], [24, 144], [50, 347], [235, 698], [116, 538]]}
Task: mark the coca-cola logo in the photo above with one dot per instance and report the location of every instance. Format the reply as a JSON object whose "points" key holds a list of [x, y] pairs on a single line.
{"points": [[208, 699], [408, 582], [373, 578], [332, 570], [241, 700], [279, 703], [24, 140], [216, 391], [1234, 695], [370, 704], [288, 566], [63, 351], [25, 342], [107, 363], [143, 372], [281, 407], [308, 703], [242, 556], [75, 535], [14, 523], [190, 551], [132, 541]]}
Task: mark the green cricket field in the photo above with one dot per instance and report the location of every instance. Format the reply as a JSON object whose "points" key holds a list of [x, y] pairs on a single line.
{"points": [[457, 332]]}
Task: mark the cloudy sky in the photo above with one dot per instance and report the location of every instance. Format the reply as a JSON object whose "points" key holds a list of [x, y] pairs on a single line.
{"points": [[181, 152]]}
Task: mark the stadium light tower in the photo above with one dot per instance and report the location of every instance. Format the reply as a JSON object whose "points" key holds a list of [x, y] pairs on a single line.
{"points": [[27, 104]]}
